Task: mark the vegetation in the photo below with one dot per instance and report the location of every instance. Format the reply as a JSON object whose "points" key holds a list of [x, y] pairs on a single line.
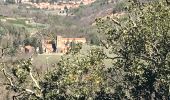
{"points": [[139, 49], [11, 38], [78, 24], [141, 45]]}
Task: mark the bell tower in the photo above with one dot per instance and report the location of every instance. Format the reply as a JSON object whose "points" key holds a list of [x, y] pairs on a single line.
{"points": [[59, 42]]}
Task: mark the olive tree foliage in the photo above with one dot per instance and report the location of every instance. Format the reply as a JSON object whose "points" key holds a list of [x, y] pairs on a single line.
{"points": [[77, 76], [19, 78], [141, 43]]}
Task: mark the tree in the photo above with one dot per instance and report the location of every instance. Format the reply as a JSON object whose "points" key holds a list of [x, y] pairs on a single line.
{"points": [[9, 39], [10, 1], [142, 48], [76, 76], [34, 42], [40, 47], [94, 39], [66, 10], [54, 46]]}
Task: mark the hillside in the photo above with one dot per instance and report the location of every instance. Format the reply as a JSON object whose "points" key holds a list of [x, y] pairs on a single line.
{"points": [[49, 23]]}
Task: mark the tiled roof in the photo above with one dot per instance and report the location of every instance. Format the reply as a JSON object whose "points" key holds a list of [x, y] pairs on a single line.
{"points": [[28, 47], [73, 39]]}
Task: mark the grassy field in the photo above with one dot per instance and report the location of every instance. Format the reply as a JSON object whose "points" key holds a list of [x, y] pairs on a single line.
{"points": [[21, 22], [43, 60]]}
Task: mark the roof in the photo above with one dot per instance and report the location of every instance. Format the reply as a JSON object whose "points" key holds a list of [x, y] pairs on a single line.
{"points": [[28, 47], [74, 39]]}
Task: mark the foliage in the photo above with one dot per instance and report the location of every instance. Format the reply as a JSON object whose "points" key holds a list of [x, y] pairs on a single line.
{"points": [[139, 49], [95, 6], [33, 41], [120, 6], [77, 76], [94, 39], [10, 39], [142, 48], [75, 47]]}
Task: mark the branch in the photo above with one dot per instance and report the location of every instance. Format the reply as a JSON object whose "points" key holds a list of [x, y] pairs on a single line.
{"points": [[104, 44], [34, 80], [11, 84], [7, 77], [111, 78], [114, 58], [116, 22], [149, 59], [15, 97], [167, 2]]}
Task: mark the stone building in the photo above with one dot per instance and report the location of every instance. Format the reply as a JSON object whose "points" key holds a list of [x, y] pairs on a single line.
{"points": [[60, 44]]}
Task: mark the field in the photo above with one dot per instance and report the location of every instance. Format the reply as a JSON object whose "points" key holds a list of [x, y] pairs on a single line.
{"points": [[41, 61], [26, 23]]}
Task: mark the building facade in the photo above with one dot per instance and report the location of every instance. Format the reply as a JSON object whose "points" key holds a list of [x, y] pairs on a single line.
{"points": [[60, 44]]}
